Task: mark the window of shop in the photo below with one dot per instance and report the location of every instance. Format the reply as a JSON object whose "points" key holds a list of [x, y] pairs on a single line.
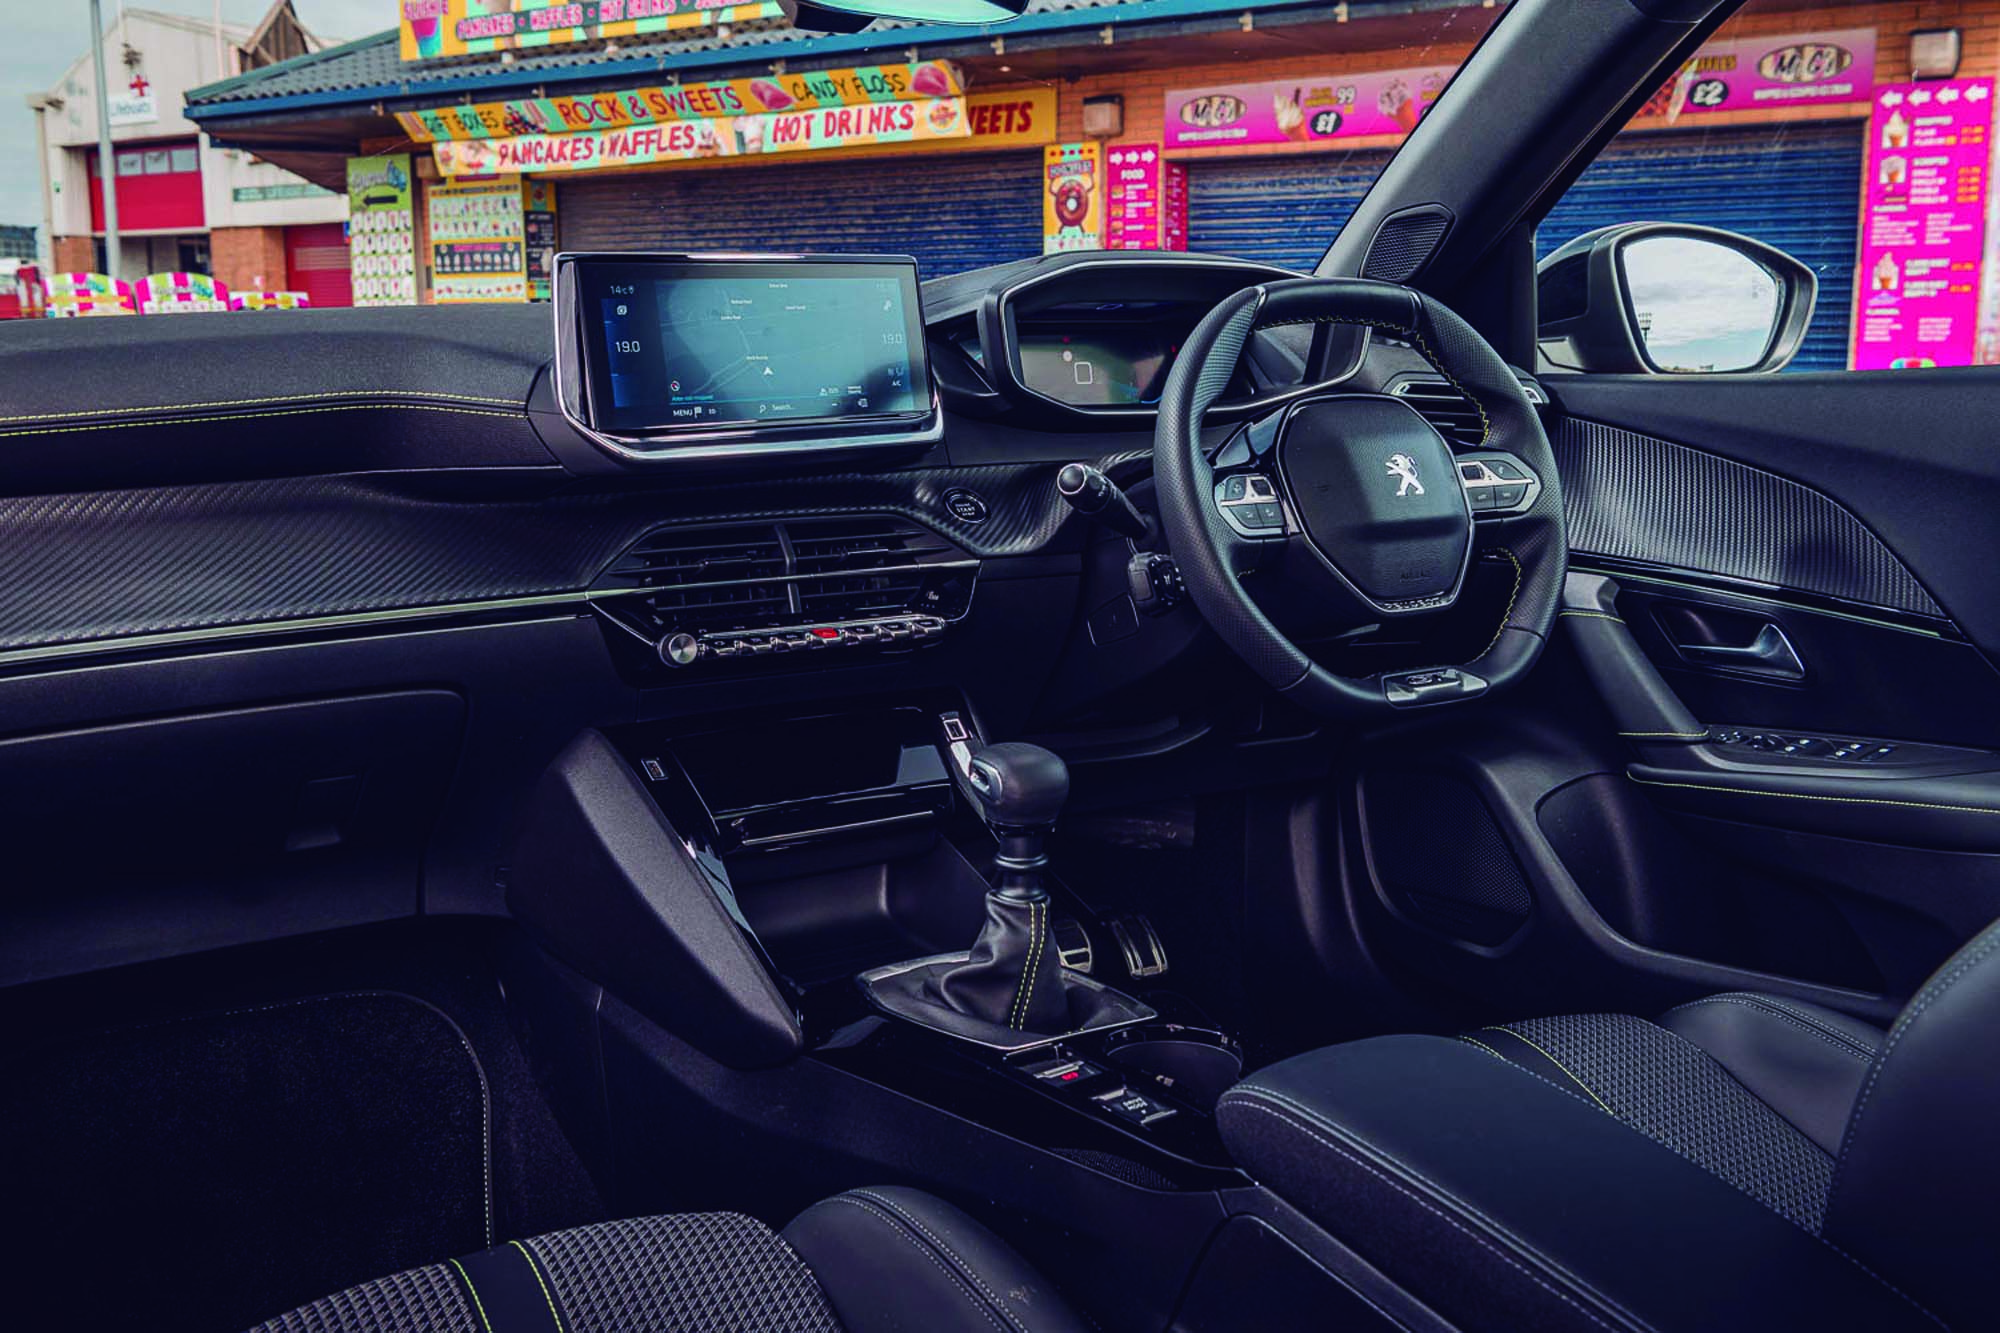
{"points": [[159, 187]]}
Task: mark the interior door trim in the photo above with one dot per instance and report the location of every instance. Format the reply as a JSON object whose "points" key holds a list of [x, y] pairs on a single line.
{"points": [[1754, 596], [1635, 497]]}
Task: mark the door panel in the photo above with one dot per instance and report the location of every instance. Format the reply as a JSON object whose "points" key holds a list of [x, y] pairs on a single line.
{"points": [[1769, 572]]}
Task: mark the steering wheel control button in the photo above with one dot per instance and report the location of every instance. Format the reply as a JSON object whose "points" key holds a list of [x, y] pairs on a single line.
{"points": [[1498, 483], [1249, 503], [964, 505], [1436, 685]]}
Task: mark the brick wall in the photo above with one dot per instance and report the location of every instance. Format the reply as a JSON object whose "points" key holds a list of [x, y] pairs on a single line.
{"points": [[248, 258], [74, 254]]}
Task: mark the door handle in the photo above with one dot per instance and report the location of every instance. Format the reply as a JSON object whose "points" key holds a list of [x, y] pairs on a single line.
{"points": [[1769, 654]]}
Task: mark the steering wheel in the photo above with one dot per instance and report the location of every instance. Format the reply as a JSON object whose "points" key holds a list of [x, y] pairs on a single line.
{"points": [[1343, 509]]}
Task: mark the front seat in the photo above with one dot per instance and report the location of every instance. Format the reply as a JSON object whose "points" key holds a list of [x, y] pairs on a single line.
{"points": [[1744, 1161], [867, 1260]]}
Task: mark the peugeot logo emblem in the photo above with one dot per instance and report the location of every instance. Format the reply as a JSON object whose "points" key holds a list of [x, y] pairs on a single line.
{"points": [[1404, 469]]}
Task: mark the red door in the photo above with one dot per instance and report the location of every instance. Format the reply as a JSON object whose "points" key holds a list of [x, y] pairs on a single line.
{"points": [[317, 264]]}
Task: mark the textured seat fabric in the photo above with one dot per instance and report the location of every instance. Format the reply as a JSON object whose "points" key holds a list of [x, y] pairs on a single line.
{"points": [[1693, 1080], [875, 1259], [1744, 1161]]}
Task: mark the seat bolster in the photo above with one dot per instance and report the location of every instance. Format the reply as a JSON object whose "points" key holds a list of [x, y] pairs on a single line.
{"points": [[1805, 1062], [895, 1259], [1503, 1201]]}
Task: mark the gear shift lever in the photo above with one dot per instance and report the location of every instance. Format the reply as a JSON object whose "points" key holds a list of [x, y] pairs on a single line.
{"points": [[1011, 977], [1011, 989]]}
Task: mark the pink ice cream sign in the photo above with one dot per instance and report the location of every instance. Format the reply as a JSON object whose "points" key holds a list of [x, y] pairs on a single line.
{"points": [[1304, 110], [1923, 225]]}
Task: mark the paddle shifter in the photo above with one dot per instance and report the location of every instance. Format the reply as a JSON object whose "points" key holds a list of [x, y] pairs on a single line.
{"points": [[1011, 989]]}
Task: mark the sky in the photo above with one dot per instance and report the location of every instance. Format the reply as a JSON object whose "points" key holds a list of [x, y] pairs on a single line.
{"points": [[44, 36]]}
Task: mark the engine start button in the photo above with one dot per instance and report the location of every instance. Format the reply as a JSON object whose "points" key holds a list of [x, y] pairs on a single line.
{"points": [[965, 506]]}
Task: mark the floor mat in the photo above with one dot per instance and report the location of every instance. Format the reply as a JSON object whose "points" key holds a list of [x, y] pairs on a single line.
{"points": [[213, 1171]]}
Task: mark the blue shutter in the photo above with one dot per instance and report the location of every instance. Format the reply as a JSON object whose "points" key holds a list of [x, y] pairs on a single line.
{"points": [[1796, 187], [1281, 210], [952, 211]]}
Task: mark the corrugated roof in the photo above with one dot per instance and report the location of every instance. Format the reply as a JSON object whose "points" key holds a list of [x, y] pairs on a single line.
{"points": [[371, 69]]}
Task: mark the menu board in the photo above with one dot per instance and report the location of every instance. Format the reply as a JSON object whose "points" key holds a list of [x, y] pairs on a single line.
{"points": [[1145, 199], [1923, 226], [478, 243], [538, 224], [381, 231]]}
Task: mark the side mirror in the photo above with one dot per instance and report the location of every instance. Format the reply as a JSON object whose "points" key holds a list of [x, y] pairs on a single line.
{"points": [[1658, 298], [854, 15]]}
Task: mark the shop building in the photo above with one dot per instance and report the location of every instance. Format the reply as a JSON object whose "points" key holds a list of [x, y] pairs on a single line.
{"points": [[1242, 128], [185, 204]]}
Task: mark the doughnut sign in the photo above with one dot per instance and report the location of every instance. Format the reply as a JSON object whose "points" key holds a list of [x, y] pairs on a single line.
{"points": [[1318, 109]]}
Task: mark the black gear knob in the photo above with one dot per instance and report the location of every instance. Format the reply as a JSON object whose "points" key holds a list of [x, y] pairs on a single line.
{"points": [[1018, 786]]}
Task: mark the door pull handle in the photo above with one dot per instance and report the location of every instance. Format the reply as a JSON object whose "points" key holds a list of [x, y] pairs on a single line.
{"points": [[1769, 654]]}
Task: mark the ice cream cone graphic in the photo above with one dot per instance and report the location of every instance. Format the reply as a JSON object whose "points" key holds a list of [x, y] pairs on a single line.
{"points": [[1396, 103], [1290, 117], [1896, 133], [1887, 275]]}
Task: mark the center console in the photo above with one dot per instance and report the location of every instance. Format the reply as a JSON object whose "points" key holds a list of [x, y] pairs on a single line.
{"points": [[824, 885]]}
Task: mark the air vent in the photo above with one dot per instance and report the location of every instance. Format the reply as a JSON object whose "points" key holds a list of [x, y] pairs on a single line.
{"points": [[851, 570], [1451, 411], [772, 575], [1444, 407]]}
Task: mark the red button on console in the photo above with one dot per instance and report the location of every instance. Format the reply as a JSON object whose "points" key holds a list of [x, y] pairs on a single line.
{"points": [[826, 633]]}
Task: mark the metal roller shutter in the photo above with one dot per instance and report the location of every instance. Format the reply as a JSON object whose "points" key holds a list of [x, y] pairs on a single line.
{"points": [[1797, 187], [1281, 210], [953, 212]]}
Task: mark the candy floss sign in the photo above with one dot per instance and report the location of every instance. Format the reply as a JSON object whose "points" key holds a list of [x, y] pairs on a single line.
{"points": [[1923, 228], [1386, 103]]}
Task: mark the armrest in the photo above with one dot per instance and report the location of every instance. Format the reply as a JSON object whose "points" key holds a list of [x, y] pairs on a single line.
{"points": [[1506, 1202]]}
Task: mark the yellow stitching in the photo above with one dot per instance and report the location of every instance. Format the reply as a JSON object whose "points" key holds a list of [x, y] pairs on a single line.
{"points": [[287, 412], [474, 1291], [1593, 615], [252, 402], [1511, 598], [1024, 992], [1557, 1063], [1666, 735], [1474, 1041], [536, 1270], [1802, 796]]}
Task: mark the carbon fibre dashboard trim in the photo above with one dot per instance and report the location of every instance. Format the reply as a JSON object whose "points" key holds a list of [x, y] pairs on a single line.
{"points": [[1631, 497], [243, 558]]}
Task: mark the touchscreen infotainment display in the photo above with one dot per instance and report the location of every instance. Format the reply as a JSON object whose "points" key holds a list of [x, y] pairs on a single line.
{"points": [[692, 344]]}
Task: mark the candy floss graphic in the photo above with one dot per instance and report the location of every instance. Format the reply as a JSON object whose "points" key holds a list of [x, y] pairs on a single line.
{"points": [[1385, 103], [1923, 227]]}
